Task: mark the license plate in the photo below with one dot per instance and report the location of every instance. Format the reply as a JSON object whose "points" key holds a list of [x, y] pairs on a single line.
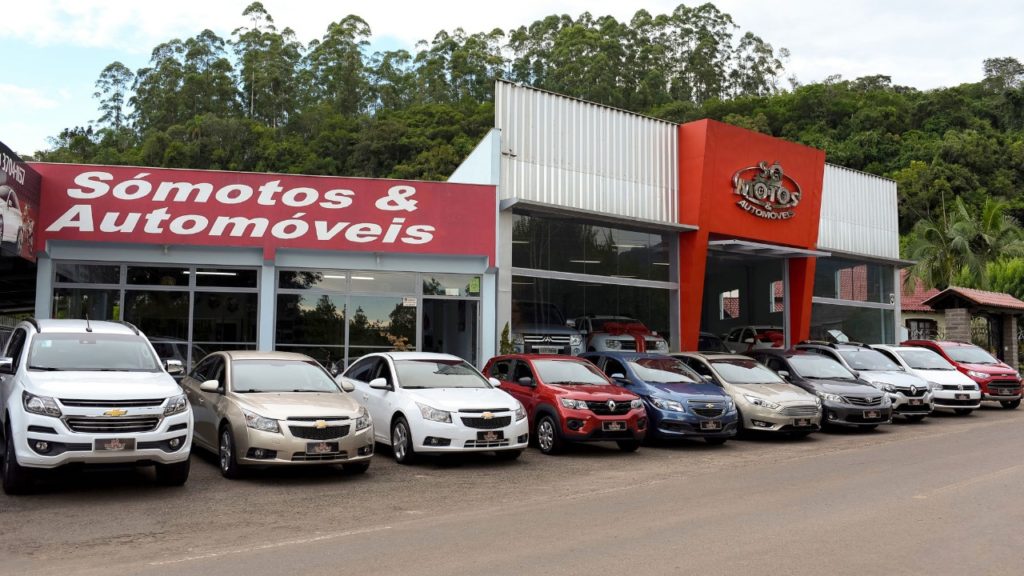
{"points": [[963, 397], [322, 448], [710, 425], [1005, 392], [802, 422], [613, 426], [871, 414], [547, 349], [114, 444], [490, 436], [915, 401]]}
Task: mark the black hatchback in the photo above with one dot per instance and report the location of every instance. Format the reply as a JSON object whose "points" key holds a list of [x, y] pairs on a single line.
{"points": [[846, 400]]}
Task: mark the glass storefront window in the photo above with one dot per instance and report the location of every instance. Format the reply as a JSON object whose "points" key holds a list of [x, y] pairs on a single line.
{"points": [[156, 276], [381, 322], [225, 277], [333, 280], [450, 285], [303, 319], [225, 317], [868, 325], [159, 314], [842, 279], [383, 282], [96, 304], [87, 273]]}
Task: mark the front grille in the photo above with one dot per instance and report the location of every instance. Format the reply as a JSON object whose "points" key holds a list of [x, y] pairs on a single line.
{"points": [[487, 423], [806, 410], [112, 425], [311, 433], [143, 403], [303, 457], [483, 444], [919, 408], [909, 394], [883, 416], [708, 412], [950, 402], [628, 345], [863, 400], [545, 340], [621, 407], [315, 418], [959, 387]]}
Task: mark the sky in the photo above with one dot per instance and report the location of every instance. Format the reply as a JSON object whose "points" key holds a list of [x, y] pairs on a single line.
{"points": [[54, 50]]}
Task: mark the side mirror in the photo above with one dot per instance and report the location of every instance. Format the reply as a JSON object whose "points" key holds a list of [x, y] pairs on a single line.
{"points": [[379, 384], [618, 376], [494, 381], [748, 340], [784, 374], [6, 365], [525, 381], [570, 323], [174, 367], [346, 385], [210, 386]]}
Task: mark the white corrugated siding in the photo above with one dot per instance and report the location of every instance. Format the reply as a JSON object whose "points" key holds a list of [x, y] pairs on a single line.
{"points": [[858, 214], [561, 151]]}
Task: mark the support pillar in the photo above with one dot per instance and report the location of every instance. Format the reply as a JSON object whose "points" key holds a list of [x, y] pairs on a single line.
{"points": [[801, 289], [958, 324], [693, 263], [1010, 340]]}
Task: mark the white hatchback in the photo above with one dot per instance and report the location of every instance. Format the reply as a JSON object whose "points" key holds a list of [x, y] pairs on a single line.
{"points": [[424, 402], [951, 388]]}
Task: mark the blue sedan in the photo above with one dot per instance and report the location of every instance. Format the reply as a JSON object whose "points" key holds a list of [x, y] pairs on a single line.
{"points": [[679, 402]]}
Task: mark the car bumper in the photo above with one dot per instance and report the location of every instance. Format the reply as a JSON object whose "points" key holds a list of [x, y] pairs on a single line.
{"points": [[585, 426], [64, 446], [848, 415], [957, 399], [665, 424], [908, 406], [763, 419], [988, 397], [440, 437], [285, 449]]}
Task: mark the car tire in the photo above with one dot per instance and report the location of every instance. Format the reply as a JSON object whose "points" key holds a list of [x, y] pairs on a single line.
{"points": [[401, 442], [508, 455], [715, 441], [16, 478], [963, 411], [628, 445], [173, 474], [1011, 404], [915, 417], [548, 434], [227, 456], [355, 468]]}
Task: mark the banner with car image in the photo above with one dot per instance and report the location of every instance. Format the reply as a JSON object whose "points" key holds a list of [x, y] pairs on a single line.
{"points": [[19, 205]]}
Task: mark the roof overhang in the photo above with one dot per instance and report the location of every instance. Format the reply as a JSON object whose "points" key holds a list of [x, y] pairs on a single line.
{"points": [[954, 297], [530, 206], [897, 262], [762, 250]]}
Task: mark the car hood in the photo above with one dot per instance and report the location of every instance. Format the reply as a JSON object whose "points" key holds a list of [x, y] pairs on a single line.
{"points": [[944, 376], [775, 392], [91, 385], [455, 399], [284, 405], [903, 379], [993, 369], [544, 328], [596, 393], [683, 389]]}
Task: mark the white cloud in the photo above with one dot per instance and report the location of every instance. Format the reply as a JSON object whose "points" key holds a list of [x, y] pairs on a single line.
{"points": [[20, 98]]}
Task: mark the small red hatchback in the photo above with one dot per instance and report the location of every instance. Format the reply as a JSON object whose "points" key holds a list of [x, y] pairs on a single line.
{"points": [[568, 399]]}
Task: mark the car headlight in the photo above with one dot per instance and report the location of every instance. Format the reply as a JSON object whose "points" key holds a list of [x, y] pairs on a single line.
{"points": [[974, 374], [520, 412], [613, 344], [670, 405], [730, 405], [175, 405], [363, 420], [888, 388], [828, 397], [935, 386], [431, 413], [661, 346], [573, 404], [517, 339], [817, 402], [756, 401], [42, 405], [257, 422], [636, 403], [575, 340]]}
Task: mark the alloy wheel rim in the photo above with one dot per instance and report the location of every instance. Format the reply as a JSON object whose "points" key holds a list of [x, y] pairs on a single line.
{"points": [[225, 451], [398, 439], [545, 435]]}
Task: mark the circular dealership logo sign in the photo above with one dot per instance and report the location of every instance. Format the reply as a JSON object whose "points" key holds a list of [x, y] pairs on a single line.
{"points": [[766, 192]]}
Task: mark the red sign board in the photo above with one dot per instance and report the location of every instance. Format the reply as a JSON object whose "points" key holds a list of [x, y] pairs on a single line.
{"points": [[19, 205], [209, 208]]}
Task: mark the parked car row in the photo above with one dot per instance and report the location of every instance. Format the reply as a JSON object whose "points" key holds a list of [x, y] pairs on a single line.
{"points": [[75, 391]]}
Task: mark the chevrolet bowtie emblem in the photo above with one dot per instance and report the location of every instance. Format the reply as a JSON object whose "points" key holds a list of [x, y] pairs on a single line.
{"points": [[488, 415], [320, 424], [115, 412]]}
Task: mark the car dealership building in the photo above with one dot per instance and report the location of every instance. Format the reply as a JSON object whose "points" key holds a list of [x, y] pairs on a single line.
{"points": [[565, 210]]}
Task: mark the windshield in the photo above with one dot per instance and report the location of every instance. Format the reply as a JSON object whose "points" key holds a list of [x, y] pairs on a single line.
{"points": [[664, 371], [745, 372], [819, 367], [922, 359], [569, 372], [417, 374], [536, 313], [970, 355], [248, 376], [710, 343], [92, 352], [867, 359]]}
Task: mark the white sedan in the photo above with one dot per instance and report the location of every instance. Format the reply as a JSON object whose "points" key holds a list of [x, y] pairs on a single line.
{"points": [[951, 388], [423, 402]]}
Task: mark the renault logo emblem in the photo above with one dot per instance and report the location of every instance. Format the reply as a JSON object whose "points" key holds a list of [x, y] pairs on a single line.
{"points": [[611, 405], [115, 412], [913, 389], [488, 415], [320, 424]]}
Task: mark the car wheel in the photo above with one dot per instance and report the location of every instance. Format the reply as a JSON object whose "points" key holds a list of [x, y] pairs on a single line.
{"points": [[628, 445], [16, 478], [915, 417], [508, 455], [715, 441], [549, 439], [355, 468], [401, 442], [173, 474], [741, 430], [963, 411], [1011, 405], [229, 467]]}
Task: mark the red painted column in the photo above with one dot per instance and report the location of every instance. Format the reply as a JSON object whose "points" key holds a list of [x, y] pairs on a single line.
{"points": [[693, 261], [801, 290]]}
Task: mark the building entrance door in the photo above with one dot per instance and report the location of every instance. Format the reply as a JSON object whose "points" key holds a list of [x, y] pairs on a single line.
{"points": [[450, 326]]}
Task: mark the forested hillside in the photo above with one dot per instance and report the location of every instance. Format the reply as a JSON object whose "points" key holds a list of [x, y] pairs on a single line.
{"points": [[263, 101]]}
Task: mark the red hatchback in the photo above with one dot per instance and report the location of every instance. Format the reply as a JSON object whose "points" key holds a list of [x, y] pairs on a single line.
{"points": [[568, 399], [998, 381]]}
